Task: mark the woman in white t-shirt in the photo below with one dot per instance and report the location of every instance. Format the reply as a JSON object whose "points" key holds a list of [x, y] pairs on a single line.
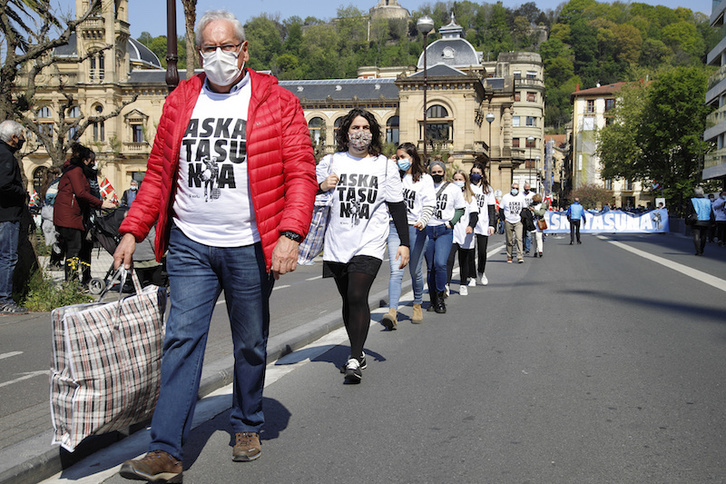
{"points": [[420, 199], [366, 186], [487, 222], [464, 240], [440, 235]]}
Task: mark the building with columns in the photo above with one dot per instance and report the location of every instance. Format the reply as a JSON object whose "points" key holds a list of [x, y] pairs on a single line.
{"points": [[477, 111]]}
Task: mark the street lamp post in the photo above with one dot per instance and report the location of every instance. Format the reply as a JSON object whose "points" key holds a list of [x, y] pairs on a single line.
{"points": [[425, 25], [172, 74], [536, 172], [490, 119], [530, 142]]}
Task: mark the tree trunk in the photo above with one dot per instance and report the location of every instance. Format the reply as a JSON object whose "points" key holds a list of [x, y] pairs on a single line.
{"points": [[190, 16]]}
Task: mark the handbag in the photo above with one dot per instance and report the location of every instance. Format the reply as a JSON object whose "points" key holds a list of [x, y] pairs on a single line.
{"points": [[542, 224], [312, 246], [106, 363]]}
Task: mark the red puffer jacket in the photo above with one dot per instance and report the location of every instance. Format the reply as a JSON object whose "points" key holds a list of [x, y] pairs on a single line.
{"points": [[281, 164]]}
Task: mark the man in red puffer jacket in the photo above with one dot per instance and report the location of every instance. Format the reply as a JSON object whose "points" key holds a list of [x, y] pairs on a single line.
{"points": [[231, 184]]}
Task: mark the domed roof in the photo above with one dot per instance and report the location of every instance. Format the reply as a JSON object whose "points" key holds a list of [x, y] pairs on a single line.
{"points": [[139, 55], [451, 50]]}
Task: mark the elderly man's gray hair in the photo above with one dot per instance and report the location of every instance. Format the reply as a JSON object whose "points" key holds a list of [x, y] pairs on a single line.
{"points": [[213, 15], [10, 128], [698, 191]]}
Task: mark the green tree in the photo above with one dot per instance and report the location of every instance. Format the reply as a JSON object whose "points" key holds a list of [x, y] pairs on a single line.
{"points": [[657, 134], [265, 38]]}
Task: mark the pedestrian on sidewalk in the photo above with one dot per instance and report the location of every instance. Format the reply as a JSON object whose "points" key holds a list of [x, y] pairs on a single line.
{"points": [[420, 199], [575, 213], [464, 240], [239, 241], [13, 200], [450, 207], [538, 208], [719, 212], [701, 206], [487, 223], [367, 187], [511, 207]]}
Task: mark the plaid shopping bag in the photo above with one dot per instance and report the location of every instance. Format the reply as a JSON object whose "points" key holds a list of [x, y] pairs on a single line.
{"points": [[312, 246], [106, 364]]}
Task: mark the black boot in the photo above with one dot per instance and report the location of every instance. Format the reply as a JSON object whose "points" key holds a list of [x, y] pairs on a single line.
{"points": [[440, 304], [434, 299]]}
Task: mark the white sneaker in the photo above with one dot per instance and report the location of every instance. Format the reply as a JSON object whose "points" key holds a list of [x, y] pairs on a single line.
{"points": [[463, 291], [472, 282], [483, 279]]}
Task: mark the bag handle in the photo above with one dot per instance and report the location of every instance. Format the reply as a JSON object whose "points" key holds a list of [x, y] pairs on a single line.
{"points": [[121, 273]]}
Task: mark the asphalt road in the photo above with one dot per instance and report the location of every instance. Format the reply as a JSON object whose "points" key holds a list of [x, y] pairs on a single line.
{"points": [[598, 363]]}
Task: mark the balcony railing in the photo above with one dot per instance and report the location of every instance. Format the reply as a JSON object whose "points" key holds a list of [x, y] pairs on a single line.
{"points": [[133, 147], [715, 158], [716, 77]]}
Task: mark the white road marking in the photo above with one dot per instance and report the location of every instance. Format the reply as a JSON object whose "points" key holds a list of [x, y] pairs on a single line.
{"points": [[280, 287], [26, 376], [688, 271], [314, 278], [11, 354]]}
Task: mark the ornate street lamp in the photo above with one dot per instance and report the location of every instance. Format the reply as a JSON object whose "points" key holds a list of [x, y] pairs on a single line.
{"points": [[172, 74], [490, 119], [425, 25]]}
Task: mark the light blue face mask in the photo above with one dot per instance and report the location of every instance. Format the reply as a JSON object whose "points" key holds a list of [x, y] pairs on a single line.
{"points": [[459, 183], [515, 191], [404, 164]]}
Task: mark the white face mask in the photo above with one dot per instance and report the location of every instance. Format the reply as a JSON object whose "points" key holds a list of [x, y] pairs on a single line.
{"points": [[459, 183], [221, 67]]}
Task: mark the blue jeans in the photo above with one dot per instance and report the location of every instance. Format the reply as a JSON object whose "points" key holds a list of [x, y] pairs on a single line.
{"points": [[197, 275], [9, 233], [417, 239], [438, 247], [526, 240]]}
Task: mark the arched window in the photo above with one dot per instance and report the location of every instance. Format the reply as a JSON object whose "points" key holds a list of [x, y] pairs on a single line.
{"points": [[38, 175], [439, 127], [317, 130], [99, 128], [392, 130]]}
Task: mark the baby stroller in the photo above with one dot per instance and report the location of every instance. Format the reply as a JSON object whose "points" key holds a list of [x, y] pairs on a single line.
{"points": [[105, 230]]}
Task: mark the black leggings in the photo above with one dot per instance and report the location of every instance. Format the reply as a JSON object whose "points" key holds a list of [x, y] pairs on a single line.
{"points": [[354, 288], [466, 259], [482, 242]]}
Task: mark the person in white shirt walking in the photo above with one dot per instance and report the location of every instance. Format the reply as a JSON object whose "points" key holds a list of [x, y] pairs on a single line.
{"points": [[464, 239], [511, 206], [486, 225], [420, 199], [366, 187], [450, 206]]}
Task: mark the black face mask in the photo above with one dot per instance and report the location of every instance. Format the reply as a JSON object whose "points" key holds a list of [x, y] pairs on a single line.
{"points": [[438, 178]]}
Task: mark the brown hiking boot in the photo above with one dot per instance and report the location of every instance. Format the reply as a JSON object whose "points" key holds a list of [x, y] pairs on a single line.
{"points": [[417, 316], [247, 446], [156, 466], [389, 319]]}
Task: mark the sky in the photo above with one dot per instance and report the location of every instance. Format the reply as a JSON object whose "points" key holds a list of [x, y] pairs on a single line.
{"points": [[150, 15]]}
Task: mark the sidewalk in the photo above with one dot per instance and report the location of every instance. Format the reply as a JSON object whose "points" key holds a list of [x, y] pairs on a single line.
{"points": [[31, 458]]}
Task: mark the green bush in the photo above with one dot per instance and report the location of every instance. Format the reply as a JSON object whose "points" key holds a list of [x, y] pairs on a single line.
{"points": [[44, 295]]}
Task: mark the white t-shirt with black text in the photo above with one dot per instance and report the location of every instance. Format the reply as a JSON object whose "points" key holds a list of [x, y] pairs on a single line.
{"points": [[213, 205], [466, 241], [447, 201], [418, 195], [483, 201], [512, 206], [359, 218]]}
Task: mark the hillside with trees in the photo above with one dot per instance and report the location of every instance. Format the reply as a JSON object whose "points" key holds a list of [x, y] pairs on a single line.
{"points": [[589, 42]]}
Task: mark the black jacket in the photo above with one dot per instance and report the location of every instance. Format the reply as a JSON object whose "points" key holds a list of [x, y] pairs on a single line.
{"points": [[13, 196]]}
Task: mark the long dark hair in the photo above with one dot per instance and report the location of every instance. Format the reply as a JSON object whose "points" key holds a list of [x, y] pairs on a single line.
{"points": [[485, 187], [417, 168], [341, 137], [79, 153]]}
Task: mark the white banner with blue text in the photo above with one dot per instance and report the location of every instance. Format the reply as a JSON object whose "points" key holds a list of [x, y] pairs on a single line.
{"points": [[614, 221]]}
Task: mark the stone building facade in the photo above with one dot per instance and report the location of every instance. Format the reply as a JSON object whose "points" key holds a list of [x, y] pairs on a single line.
{"points": [[477, 110]]}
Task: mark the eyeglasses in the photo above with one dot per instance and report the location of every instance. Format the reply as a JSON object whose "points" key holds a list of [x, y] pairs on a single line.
{"points": [[231, 48]]}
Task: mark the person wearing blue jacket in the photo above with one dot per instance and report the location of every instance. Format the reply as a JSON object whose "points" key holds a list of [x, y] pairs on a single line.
{"points": [[575, 213], [702, 207]]}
